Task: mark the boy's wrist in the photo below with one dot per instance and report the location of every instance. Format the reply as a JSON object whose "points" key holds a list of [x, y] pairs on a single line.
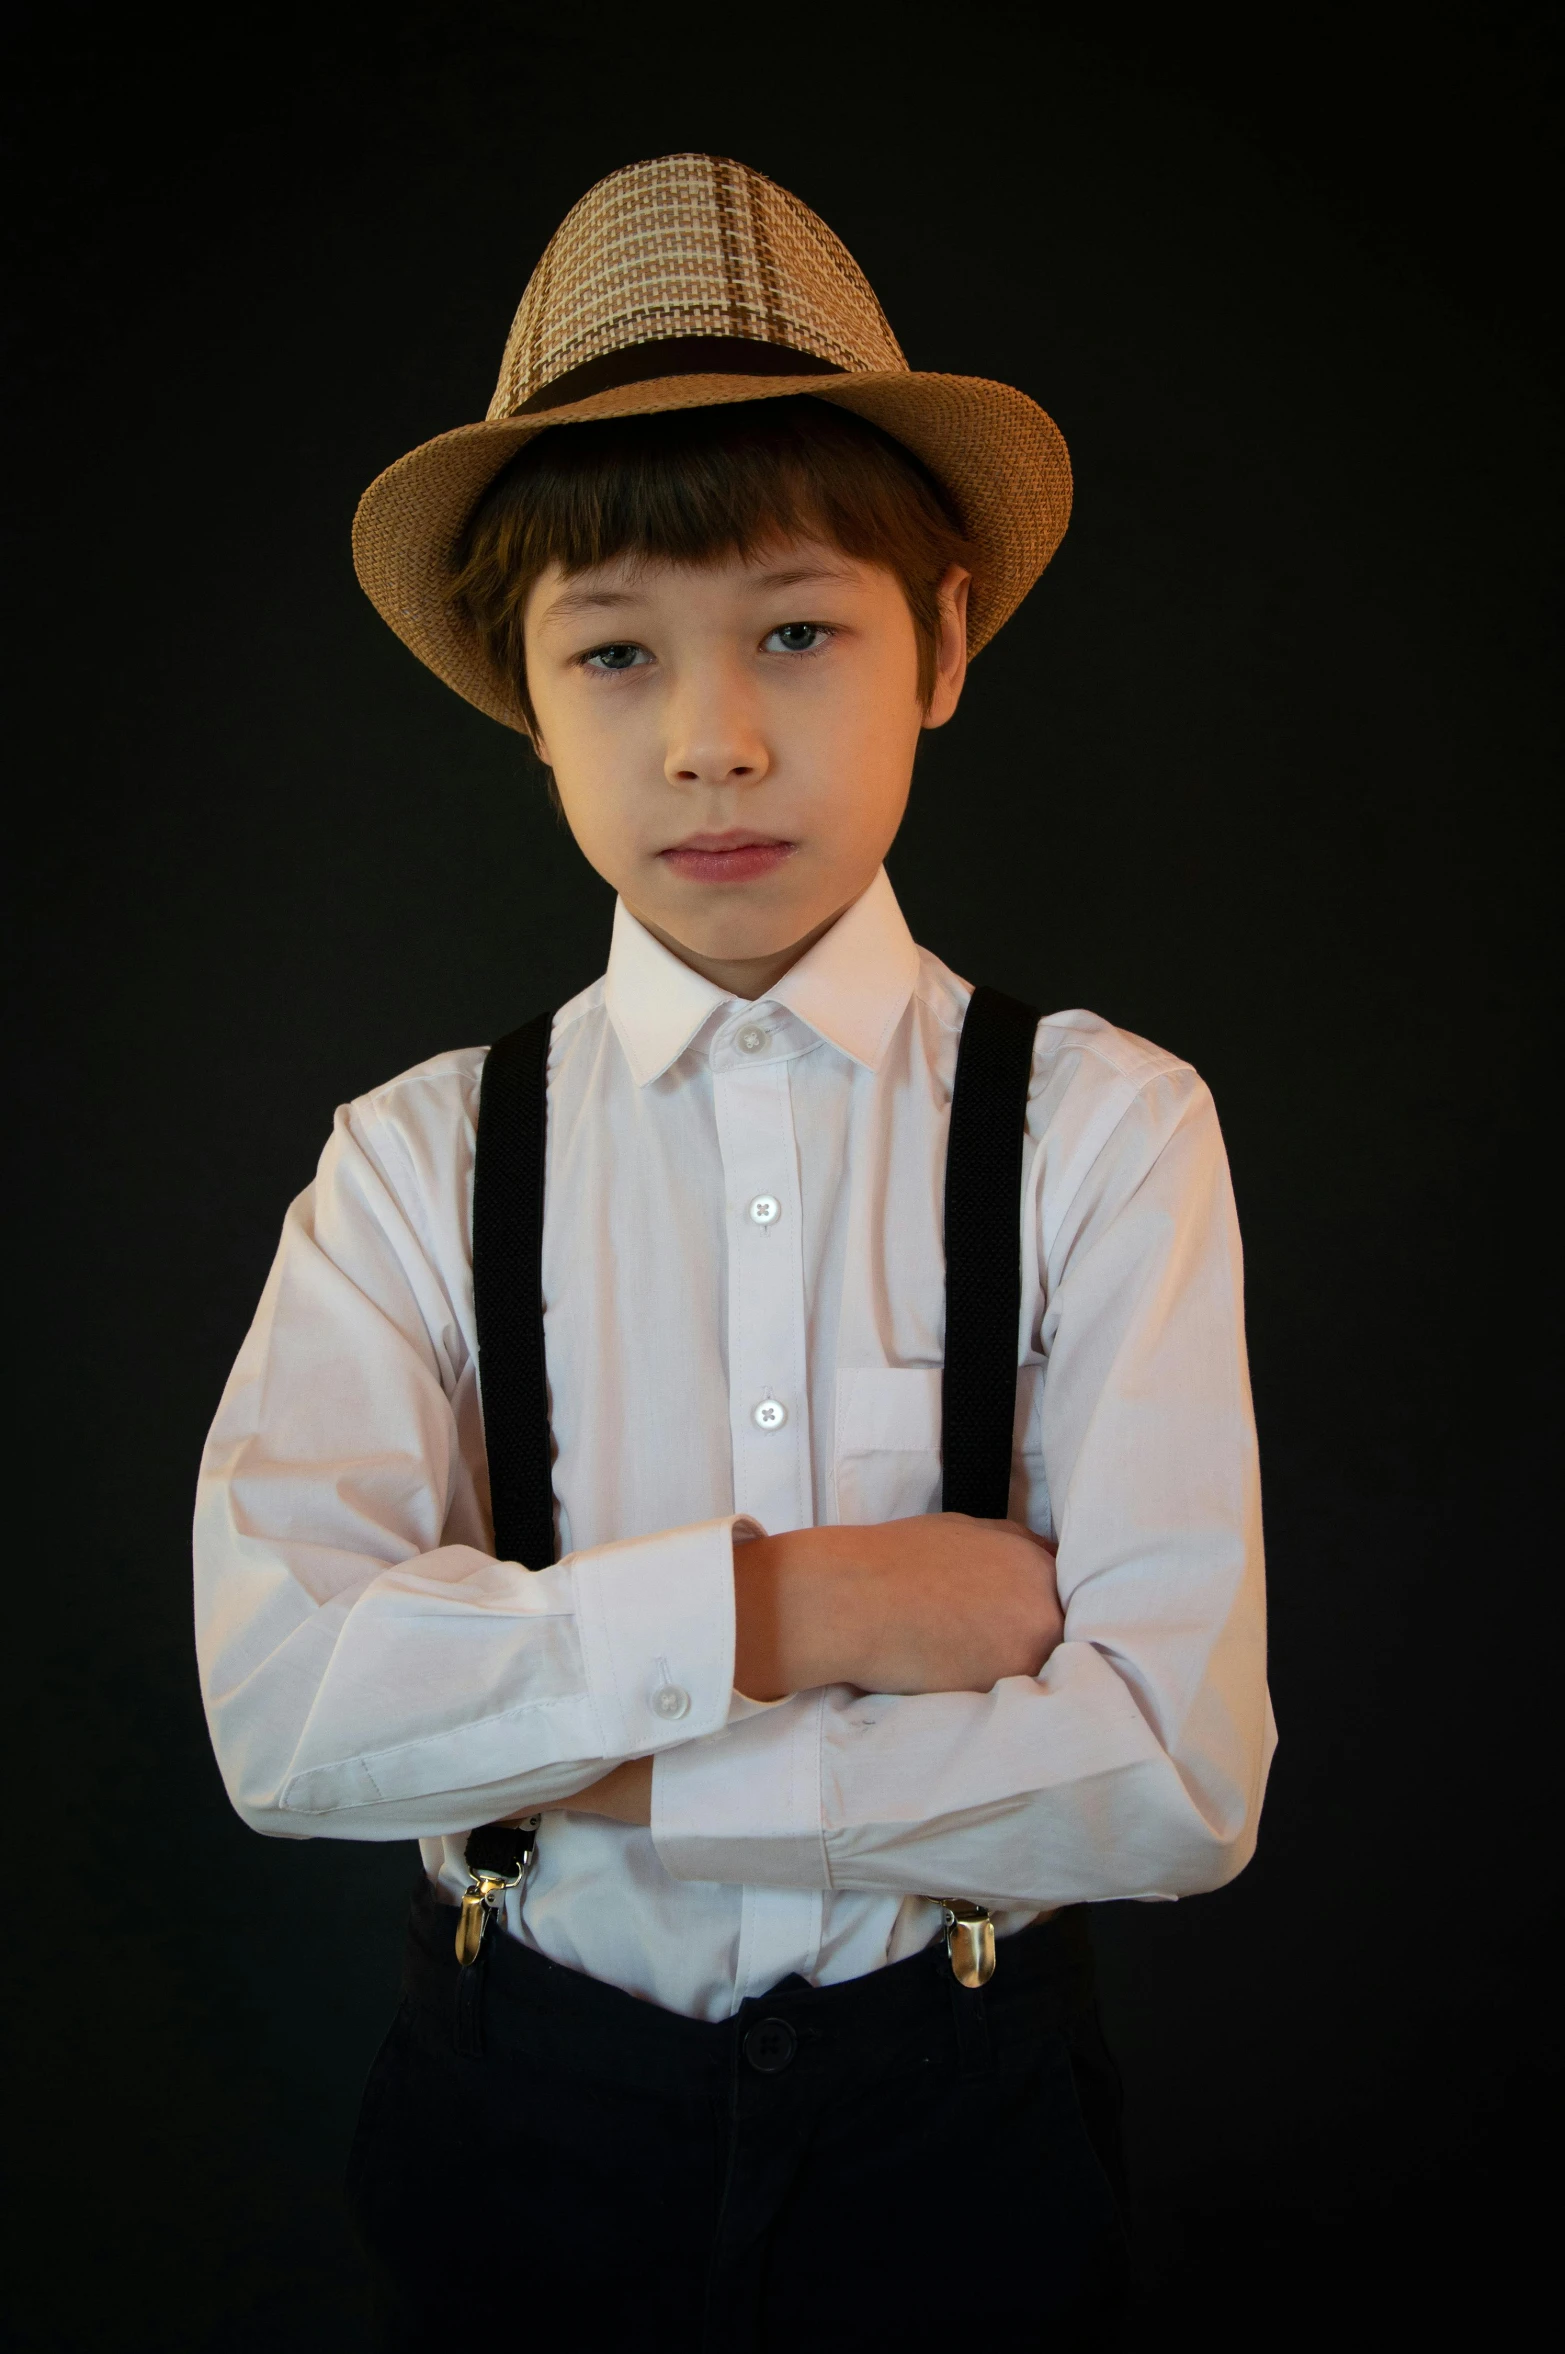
{"points": [[623, 1795], [793, 1617]]}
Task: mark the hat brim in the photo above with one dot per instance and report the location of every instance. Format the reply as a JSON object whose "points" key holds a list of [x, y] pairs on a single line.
{"points": [[1000, 457]]}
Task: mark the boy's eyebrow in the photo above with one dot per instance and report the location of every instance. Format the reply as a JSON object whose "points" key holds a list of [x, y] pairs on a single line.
{"points": [[585, 600], [589, 601], [793, 574]]}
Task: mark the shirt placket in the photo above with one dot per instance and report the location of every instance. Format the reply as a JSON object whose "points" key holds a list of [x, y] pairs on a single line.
{"points": [[768, 1390], [768, 1393]]}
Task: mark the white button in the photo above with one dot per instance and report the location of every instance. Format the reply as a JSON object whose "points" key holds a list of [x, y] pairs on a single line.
{"points": [[671, 1701], [770, 1414], [766, 1209], [750, 1040]]}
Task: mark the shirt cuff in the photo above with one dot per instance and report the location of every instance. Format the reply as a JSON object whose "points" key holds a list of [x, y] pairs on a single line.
{"points": [[656, 1620], [744, 1806]]}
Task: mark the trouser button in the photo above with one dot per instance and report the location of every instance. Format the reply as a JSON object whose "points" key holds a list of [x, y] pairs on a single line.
{"points": [[770, 2045]]}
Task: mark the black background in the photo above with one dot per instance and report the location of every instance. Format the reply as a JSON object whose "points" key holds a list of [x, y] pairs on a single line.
{"points": [[1259, 771]]}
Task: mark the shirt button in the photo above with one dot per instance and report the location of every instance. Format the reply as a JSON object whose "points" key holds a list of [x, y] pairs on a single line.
{"points": [[766, 1209], [770, 1414], [671, 1701], [750, 1040]]}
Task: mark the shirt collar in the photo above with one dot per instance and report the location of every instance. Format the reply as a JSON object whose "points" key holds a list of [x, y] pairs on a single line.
{"points": [[851, 988]]}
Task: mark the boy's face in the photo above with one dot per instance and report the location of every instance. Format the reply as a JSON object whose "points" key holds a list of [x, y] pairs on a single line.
{"points": [[733, 742]]}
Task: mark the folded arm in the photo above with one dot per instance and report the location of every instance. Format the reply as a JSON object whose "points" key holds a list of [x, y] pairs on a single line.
{"points": [[937, 1603]]}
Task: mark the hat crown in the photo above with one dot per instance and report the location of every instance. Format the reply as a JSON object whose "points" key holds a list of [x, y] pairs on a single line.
{"points": [[690, 246]]}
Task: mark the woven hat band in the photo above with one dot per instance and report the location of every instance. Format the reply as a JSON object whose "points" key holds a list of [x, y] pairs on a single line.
{"points": [[676, 355]]}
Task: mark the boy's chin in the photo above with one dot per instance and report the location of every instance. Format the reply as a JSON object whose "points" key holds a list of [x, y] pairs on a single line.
{"points": [[737, 943], [733, 923]]}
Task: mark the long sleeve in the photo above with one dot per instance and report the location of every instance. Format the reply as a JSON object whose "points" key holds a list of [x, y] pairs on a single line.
{"points": [[1134, 1765], [369, 1670]]}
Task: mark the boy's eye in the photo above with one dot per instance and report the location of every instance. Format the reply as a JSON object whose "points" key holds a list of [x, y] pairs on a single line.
{"points": [[797, 637], [615, 657]]}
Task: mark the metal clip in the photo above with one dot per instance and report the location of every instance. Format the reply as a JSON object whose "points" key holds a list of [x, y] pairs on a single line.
{"points": [[486, 1891], [969, 1941]]}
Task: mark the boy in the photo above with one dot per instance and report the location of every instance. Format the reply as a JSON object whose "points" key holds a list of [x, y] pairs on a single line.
{"points": [[768, 1979]]}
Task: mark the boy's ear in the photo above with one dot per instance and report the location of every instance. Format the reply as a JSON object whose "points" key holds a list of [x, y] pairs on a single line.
{"points": [[551, 785], [532, 737], [534, 734], [951, 645]]}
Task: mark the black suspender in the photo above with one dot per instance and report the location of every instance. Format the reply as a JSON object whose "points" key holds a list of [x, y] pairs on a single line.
{"points": [[508, 1175], [984, 1252], [978, 1387], [509, 1163]]}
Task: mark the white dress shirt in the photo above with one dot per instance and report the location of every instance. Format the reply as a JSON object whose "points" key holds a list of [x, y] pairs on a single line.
{"points": [[744, 1286]]}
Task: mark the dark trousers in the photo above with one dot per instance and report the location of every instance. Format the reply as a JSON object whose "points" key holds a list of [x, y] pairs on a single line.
{"points": [[885, 2162]]}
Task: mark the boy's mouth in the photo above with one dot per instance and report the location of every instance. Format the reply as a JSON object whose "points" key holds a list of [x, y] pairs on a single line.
{"points": [[734, 857]]}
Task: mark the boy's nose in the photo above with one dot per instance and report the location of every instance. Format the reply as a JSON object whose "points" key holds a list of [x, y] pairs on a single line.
{"points": [[727, 756], [712, 733], [694, 768]]}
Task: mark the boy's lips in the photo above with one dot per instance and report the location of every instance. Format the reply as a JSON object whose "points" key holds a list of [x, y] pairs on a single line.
{"points": [[726, 858]]}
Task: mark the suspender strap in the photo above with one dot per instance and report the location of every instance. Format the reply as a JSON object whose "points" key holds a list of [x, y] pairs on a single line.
{"points": [[983, 1252], [513, 1378], [508, 1180]]}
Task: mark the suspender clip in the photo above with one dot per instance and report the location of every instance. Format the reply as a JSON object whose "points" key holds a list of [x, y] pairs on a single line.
{"points": [[969, 1940], [504, 1853]]}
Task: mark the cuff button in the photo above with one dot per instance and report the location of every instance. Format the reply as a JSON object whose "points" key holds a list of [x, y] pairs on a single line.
{"points": [[671, 1701]]}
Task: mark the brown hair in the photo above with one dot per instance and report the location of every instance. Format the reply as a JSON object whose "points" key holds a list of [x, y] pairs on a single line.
{"points": [[686, 486]]}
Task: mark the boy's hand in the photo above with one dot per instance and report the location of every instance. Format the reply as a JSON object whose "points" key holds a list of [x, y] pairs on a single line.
{"points": [[941, 1603]]}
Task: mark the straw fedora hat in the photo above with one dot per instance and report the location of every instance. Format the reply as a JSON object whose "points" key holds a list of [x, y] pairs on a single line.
{"points": [[679, 284]]}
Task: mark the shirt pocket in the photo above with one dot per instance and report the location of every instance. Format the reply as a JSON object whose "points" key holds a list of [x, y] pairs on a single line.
{"points": [[887, 1442], [887, 1460]]}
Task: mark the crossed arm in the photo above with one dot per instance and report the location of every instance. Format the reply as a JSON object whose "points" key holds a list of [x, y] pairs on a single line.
{"points": [[371, 1671], [940, 1603]]}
